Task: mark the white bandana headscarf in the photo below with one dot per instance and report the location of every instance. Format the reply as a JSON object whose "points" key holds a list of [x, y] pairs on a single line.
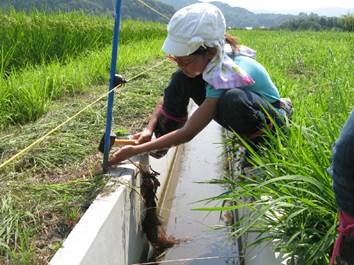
{"points": [[203, 24], [222, 72]]}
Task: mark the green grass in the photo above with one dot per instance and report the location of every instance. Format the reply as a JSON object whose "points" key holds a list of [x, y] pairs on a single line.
{"points": [[26, 94], [38, 38], [290, 188], [45, 192], [43, 57]]}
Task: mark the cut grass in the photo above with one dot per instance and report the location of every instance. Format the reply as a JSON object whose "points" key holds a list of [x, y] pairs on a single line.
{"points": [[46, 191]]}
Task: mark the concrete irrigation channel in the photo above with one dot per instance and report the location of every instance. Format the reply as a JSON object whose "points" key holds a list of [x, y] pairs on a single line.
{"points": [[200, 160], [110, 232]]}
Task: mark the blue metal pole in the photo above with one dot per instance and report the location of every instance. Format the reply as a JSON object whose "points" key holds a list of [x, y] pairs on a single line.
{"points": [[111, 84]]}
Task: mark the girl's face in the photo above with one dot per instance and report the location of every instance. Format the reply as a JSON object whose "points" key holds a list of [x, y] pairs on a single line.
{"points": [[193, 65]]}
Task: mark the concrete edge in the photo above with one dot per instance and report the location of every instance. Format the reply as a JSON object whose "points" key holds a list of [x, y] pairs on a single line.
{"points": [[109, 232]]}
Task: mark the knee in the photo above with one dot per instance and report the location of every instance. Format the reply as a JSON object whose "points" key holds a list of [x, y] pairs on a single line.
{"points": [[230, 101], [233, 98], [232, 108], [236, 111]]}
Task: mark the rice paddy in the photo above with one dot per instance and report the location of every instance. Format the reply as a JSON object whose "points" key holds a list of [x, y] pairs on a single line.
{"points": [[51, 66]]}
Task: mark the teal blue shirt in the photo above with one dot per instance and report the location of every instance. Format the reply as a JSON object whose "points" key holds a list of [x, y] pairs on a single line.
{"points": [[263, 85]]}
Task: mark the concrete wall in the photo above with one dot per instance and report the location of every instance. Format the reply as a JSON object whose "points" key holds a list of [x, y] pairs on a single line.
{"points": [[109, 233]]}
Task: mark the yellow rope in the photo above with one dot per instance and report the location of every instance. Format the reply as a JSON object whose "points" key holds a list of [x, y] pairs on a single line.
{"points": [[153, 9], [153, 67], [72, 117]]}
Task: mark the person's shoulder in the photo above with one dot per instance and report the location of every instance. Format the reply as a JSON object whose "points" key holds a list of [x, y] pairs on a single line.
{"points": [[245, 61], [240, 57]]}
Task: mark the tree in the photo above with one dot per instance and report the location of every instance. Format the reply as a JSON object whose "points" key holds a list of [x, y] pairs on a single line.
{"points": [[347, 22], [309, 24]]}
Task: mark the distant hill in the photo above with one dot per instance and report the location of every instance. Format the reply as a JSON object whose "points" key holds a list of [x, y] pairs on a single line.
{"points": [[177, 4], [130, 8], [237, 16], [134, 10], [334, 12], [328, 12]]}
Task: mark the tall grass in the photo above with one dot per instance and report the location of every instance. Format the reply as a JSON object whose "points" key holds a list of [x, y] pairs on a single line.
{"points": [[37, 38], [27, 92], [292, 199]]}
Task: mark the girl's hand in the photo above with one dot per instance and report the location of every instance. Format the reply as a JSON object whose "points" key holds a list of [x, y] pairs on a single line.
{"points": [[143, 137], [122, 154]]}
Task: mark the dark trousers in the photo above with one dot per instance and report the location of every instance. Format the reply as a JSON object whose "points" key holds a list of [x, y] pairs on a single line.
{"points": [[342, 167], [241, 111]]}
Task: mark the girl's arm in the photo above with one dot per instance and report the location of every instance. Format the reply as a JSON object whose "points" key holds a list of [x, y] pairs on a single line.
{"points": [[199, 119]]}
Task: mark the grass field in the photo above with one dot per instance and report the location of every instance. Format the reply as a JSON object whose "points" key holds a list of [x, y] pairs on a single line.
{"points": [[44, 193], [45, 57], [293, 194], [47, 190]]}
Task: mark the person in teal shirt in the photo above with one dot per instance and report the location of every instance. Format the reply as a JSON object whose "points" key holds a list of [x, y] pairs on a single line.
{"points": [[229, 86], [263, 85]]}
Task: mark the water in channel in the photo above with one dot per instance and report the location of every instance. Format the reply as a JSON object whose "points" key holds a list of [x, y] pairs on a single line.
{"points": [[199, 161]]}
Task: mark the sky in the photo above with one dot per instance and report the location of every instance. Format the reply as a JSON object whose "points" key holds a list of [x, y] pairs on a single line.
{"points": [[277, 5]]}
